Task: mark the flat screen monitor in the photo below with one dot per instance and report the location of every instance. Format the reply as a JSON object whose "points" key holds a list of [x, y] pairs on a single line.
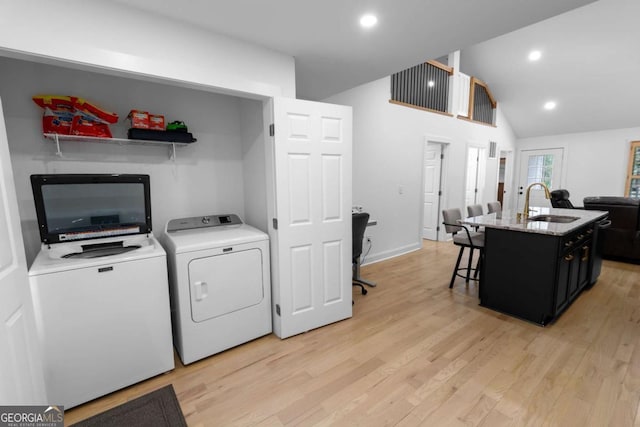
{"points": [[73, 207]]}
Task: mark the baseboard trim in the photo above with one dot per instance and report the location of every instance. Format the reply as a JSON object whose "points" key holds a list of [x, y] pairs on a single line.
{"points": [[383, 256]]}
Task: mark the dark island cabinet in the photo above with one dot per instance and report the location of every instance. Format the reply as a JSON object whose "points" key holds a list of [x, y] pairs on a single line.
{"points": [[534, 276], [573, 266]]}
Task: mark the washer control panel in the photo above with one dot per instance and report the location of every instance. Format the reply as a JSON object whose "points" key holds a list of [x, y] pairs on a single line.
{"points": [[202, 222]]}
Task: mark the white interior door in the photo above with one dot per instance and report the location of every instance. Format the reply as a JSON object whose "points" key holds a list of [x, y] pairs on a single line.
{"points": [[539, 166], [312, 243], [476, 170], [431, 204], [20, 363]]}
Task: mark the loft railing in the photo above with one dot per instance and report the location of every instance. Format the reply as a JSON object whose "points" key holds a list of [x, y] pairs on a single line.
{"points": [[424, 86], [482, 105]]}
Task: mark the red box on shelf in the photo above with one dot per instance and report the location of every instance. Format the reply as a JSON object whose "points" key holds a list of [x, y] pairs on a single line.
{"points": [[139, 119], [156, 122]]}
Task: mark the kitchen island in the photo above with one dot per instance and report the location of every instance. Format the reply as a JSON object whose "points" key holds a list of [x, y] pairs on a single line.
{"points": [[534, 268]]}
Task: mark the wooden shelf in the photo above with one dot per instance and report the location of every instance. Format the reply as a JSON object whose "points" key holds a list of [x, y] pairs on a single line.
{"points": [[118, 141]]}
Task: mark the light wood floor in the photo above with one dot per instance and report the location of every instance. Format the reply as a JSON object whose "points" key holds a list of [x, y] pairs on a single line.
{"points": [[417, 353]]}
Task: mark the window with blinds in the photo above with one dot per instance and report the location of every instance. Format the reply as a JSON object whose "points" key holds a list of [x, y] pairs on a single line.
{"points": [[540, 169], [425, 86], [633, 172]]}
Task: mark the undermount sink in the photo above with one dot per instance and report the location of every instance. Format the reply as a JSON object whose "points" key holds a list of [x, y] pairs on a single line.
{"points": [[553, 218]]}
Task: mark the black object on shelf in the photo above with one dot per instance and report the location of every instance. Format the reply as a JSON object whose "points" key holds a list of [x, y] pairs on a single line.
{"points": [[161, 135]]}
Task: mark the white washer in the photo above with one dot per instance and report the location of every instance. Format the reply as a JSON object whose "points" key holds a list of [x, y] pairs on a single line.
{"points": [[103, 322], [219, 283]]}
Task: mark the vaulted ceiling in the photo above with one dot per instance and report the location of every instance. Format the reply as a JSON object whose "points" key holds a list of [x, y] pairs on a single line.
{"points": [[589, 66], [587, 61]]}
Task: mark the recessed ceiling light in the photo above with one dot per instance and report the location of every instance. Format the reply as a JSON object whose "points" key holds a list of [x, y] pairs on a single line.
{"points": [[534, 55], [431, 83], [368, 20], [549, 105]]}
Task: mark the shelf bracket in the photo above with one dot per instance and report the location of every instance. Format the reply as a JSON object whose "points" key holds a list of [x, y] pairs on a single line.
{"points": [[58, 152], [172, 152]]}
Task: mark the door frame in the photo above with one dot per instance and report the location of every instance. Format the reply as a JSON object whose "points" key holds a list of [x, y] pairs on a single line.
{"points": [[508, 177], [445, 143]]}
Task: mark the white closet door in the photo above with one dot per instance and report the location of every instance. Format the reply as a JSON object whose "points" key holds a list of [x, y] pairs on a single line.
{"points": [[431, 190], [311, 247], [20, 362]]}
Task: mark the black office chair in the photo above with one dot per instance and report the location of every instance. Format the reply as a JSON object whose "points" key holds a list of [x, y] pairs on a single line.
{"points": [[466, 239], [359, 223], [560, 199]]}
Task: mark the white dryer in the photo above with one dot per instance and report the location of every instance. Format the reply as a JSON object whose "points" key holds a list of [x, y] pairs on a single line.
{"points": [[219, 282]]}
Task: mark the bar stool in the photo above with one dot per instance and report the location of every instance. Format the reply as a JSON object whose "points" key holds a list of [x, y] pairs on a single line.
{"points": [[465, 239], [494, 207], [475, 210]]}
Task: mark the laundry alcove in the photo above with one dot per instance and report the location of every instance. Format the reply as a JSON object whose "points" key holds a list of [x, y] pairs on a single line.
{"points": [[222, 172], [234, 167]]}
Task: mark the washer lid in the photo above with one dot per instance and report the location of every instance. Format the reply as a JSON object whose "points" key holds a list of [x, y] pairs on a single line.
{"points": [[51, 258], [212, 237]]}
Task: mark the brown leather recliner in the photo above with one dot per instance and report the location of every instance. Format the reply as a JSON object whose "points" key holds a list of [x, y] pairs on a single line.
{"points": [[621, 240]]}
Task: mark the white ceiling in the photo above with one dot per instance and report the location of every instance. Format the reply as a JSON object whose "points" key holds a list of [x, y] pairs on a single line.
{"points": [[590, 67], [332, 53]]}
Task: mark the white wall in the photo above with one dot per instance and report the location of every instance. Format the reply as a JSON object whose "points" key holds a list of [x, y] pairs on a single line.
{"points": [[595, 163], [206, 178], [109, 36], [254, 166], [387, 153]]}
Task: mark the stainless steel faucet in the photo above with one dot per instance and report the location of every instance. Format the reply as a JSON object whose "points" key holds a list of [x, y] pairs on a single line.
{"points": [[547, 195]]}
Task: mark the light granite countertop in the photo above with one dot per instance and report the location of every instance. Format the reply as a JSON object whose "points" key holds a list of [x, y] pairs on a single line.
{"points": [[507, 220]]}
